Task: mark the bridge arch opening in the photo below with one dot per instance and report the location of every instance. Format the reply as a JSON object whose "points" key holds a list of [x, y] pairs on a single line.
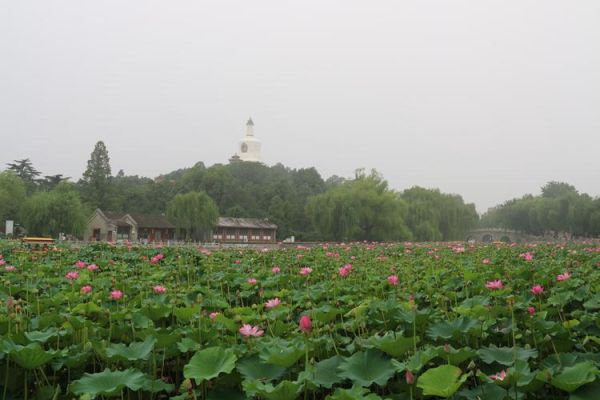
{"points": [[505, 239], [487, 238]]}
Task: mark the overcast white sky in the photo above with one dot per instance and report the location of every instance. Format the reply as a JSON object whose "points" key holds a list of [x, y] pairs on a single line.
{"points": [[488, 99]]}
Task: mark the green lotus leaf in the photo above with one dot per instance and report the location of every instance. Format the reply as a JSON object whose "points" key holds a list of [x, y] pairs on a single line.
{"points": [[135, 351], [186, 313], [87, 309], [394, 344], [157, 311], [109, 383], [43, 336], [593, 303], [209, 363], [31, 356], [367, 367], [157, 385], [418, 360], [456, 356], [555, 362], [571, 378], [282, 352], [487, 391], [520, 374], [230, 324], [285, 390], [48, 393], [7, 346], [325, 372], [251, 368], [187, 344], [442, 381], [355, 393], [325, 313], [141, 321], [449, 329], [505, 355], [165, 338]]}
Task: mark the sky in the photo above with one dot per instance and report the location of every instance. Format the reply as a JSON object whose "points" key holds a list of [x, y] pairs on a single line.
{"points": [[487, 99]]}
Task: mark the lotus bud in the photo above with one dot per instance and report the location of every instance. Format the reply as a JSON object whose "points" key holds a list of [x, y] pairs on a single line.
{"points": [[410, 378]]}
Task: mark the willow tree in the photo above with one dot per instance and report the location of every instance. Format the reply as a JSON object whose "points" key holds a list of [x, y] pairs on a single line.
{"points": [[360, 209], [57, 211], [194, 214], [12, 195]]}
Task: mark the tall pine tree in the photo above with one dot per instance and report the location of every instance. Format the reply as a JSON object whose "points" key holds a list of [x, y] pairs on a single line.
{"points": [[96, 183]]}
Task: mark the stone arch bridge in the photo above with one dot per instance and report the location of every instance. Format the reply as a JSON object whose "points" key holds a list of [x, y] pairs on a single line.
{"points": [[487, 235]]}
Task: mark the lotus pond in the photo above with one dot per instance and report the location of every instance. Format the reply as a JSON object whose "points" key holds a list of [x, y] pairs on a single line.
{"points": [[348, 321]]}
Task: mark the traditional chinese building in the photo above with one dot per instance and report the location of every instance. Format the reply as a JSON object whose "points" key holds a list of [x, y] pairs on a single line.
{"points": [[244, 230], [109, 226]]}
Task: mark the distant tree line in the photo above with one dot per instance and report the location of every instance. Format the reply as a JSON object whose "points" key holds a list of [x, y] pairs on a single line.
{"points": [[560, 208], [299, 201]]}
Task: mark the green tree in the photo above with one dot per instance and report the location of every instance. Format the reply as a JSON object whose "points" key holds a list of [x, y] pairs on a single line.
{"points": [[53, 212], [559, 209], [134, 194], [194, 214], [51, 181], [24, 169], [12, 196], [361, 209], [96, 182]]}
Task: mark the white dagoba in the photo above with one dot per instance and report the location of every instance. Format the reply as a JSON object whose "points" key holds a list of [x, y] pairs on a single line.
{"points": [[250, 145]]}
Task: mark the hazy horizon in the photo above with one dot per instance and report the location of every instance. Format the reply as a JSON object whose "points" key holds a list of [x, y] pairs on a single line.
{"points": [[489, 100]]}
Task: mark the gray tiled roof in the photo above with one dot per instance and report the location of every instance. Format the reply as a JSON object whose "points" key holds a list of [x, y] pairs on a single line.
{"points": [[228, 222]]}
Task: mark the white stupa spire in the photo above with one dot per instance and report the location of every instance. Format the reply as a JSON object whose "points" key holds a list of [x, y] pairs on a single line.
{"points": [[250, 145]]}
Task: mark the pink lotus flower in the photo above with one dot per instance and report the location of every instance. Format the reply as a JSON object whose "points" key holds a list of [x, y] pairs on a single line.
{"points": [[458, 249], [486, 261], [305, 271], [252, 281], [92, 267], [214, 315], [158, 289], [345, 270], [531, 310], [305, 324], [80, 264], [72, 275], [493, 285], [563, 277], [276, 270], [526, 256], [10, 268], [272, 303], [156, 259], [116, 294], [248, 330], [392, 280], [501, 376], [2, 262], [537, 290], [86, 289], [237, 262]]}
